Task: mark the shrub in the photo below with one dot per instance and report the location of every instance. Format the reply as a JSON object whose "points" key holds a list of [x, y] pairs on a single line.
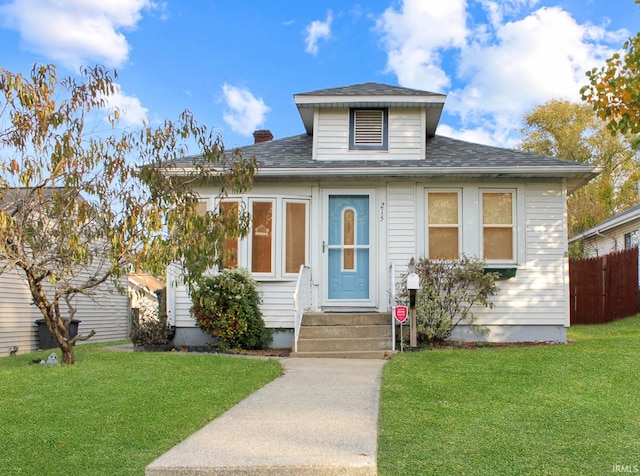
{"points": [[448, 291], [227, 307]]}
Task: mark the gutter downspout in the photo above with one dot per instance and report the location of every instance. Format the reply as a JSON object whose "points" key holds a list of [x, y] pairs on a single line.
{"points": [[615, 241]]}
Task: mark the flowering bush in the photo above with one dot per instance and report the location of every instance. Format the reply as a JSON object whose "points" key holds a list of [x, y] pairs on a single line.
{"points": [[227, 307]]}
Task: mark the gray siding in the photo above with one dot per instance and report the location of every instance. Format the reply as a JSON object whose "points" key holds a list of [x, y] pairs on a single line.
{"points": [[107, 315]]}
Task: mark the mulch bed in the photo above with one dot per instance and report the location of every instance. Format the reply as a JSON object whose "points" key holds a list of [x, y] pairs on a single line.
{"points": [[492, 345], [257, 353]]}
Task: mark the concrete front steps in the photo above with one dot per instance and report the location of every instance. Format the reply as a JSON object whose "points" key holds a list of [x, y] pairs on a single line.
{"points": [[345, 335]]}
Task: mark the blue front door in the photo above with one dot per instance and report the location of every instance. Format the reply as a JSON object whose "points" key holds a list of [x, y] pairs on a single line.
{"points": [[349, 247]]}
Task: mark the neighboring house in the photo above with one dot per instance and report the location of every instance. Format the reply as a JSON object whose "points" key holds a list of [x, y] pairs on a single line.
{"points": [[107, 314], [143, 289], [368, 186], [107, 311], [617, 233]]}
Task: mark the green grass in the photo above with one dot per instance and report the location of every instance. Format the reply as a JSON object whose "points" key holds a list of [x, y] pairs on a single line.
{"points": [[113, 412], [562, 409]]}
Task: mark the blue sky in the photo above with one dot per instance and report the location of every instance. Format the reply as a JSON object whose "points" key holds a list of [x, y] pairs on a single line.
{"points": [[236, 64]]}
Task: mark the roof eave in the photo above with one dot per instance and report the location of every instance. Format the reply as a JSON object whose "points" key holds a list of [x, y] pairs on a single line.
{"points": [[576, 176], [432, 104], [305, 100]]}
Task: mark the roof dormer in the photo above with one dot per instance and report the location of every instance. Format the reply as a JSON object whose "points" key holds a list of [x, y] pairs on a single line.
{"points": [[370, 95], [369, 121]]}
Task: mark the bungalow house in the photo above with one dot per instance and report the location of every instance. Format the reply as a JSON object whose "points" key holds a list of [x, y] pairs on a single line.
{"points": [[367, 186]]}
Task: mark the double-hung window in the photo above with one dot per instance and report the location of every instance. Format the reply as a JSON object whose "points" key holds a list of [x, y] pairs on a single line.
{"points": [[498, 225], [443, 224], [368, 129]]}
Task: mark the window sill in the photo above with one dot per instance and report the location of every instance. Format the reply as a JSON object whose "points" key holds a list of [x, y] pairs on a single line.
{"points": [[503, 272], [274, 279]]}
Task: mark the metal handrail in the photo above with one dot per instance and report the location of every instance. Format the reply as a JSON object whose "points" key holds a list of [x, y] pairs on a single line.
{"points": [[392, 302], [301, 301]]}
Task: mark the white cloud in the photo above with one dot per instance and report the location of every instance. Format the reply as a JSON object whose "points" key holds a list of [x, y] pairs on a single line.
{"points": [[497, 10], [318, 30], [76, 32], [543, 56], [414, 36], [478, 135], [495, 72], [246, 112], [132, 112]]}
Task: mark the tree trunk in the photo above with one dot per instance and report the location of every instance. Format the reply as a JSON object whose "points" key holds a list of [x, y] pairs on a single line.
{"points": [[52, 317], [68, 356], [63, 338]]}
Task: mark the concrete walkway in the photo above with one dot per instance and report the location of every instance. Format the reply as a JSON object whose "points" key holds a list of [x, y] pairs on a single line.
{"points": [[319, 418]]}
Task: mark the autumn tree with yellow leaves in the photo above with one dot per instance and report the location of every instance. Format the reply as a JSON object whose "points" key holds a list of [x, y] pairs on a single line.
{"points": [[614, 90], [82, 200]]}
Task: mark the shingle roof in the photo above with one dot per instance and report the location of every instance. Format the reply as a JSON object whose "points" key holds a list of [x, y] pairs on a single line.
{"points": [[295, 152], [369, 89], [292, 157]]}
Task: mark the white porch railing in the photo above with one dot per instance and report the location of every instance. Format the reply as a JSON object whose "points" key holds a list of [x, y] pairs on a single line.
{"points": [[301, 301], [392, 302]]}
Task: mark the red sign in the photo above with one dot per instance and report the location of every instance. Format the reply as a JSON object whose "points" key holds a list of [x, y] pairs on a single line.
{"points": [[401, 313]]}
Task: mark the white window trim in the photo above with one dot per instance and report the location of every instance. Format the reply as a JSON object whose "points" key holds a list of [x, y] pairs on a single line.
{"points": [[515, 224], [283, 250], [470, 236], [278, 246], [240, 203], [457, 191], [274, 226]]}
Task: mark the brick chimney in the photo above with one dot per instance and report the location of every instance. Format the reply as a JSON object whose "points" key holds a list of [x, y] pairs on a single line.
{"points": [[262, 136]]}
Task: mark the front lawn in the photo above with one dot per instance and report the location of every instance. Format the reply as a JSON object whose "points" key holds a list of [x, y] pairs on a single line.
{"points": [[113, 412], [561, 409]]}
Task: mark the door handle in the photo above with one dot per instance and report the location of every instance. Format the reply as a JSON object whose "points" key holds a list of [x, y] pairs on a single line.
{"points": [[324, 245]]}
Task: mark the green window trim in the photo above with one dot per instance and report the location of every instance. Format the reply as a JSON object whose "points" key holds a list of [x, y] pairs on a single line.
{"points": [[503, 273]]}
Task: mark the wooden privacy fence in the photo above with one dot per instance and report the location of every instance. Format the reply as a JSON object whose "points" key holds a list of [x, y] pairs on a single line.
{"points": [[605, 288]]}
